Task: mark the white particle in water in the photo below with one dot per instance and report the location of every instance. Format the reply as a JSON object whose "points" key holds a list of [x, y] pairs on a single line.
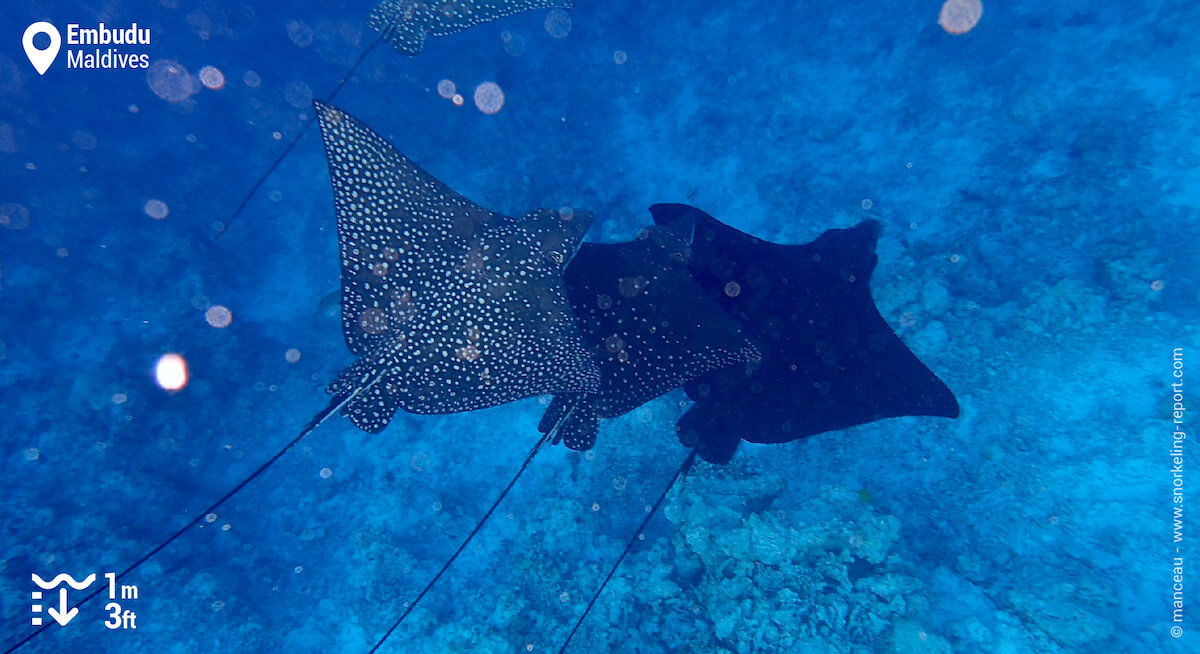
{"points": [[212, 78], [558, 23], [156, 209], [218, 316], [489, 98], [298, 94], [171, 81], [171, 372], [300, 33]]}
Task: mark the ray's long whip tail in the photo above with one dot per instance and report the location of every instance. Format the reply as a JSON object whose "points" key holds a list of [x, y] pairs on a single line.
{"points": [[546, 438], [296, 137], [682, 470]]}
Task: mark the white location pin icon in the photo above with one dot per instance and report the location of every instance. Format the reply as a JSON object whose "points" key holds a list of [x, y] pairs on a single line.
{"points": [[41, 59]]}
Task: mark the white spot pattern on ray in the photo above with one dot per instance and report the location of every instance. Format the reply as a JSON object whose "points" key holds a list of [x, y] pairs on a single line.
{"points": [[451, 307]]}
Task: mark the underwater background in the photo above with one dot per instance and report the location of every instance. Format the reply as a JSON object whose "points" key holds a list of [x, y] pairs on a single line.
{"points": [[1038, 182]]}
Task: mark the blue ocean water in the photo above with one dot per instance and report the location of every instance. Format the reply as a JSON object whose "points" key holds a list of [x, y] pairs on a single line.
{"points": [[1036, 178]]}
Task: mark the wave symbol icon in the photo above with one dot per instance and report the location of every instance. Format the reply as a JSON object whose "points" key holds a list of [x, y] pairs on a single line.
{"points": [[77, 585]]}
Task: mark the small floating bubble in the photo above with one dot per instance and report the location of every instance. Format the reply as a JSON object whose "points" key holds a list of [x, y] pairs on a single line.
{"points": [[419, 461], [210, 518], [326, 473], [298, 569], [300, 33], [595, 506], [298, 94], [631, 286], [32, 454], [446, 89], [226, 527], [867, 204], [437, 506], [156, 209], [733, 289], [1156, 285], [619, 57], [457, 100], [292, 355], [171, 81], [212, 78], [251, 79], [14, 216], [960, 16], [119, 398], [373, 321], [514, 44], [62, 253], [489, 98], [558, 23], [613, 343], [218, 316], [217, 605]]}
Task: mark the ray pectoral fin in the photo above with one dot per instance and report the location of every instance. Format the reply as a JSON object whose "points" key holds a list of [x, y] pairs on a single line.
{"points": [[828, 359]]}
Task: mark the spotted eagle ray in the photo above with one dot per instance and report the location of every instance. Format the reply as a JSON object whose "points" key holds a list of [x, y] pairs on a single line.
{"points": [[405, 23], [449, 306], [648, 325], [830, 361]]}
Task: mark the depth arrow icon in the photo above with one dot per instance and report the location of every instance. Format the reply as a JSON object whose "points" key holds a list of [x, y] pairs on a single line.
{"points": [[63, 614]]}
